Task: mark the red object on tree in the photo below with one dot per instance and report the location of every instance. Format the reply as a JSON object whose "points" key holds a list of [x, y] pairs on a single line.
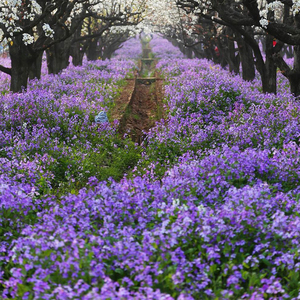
{"points": [[217, 51], [274, 43]]}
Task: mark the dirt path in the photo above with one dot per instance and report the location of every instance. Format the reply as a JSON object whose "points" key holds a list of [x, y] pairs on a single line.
{"points": [[141, 104]]}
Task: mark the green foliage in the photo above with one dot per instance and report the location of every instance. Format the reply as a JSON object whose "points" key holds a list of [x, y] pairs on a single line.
{"points": [[151, 55], [164, 156], [4, 92], [12, 222], [110, 159], [117, 157]]}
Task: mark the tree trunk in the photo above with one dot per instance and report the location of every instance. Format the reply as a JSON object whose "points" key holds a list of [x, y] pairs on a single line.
{"points": [[267, 69], [270, 83], [92, 51], [247, 59], [77, 54], [248, 67], [108, 50], [77, 57], [36, 67], [227, 52], [198, 52], [58, 54], [21, 61], [208, 53], [58, 57], [234, 60], [293, 75], [295, 84], [189, 53], [78, 48], [107, 53]]}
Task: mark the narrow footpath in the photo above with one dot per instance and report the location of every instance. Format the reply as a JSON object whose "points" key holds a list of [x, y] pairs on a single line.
{"points": [[140, 105]]}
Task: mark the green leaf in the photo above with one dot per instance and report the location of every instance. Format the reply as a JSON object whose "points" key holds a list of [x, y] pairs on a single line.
{"points": [[246, 265], [119, 271], [22, 289], [266, 262], [245, 275]]}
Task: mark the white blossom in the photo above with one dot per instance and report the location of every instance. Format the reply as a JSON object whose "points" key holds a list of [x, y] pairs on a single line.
{"points": [[296, 7], [49, 32], [28, 39], [264, 22]]}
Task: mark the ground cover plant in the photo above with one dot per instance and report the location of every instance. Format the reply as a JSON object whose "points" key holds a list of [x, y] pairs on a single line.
{"points": [[49, 132], [211, 210]]}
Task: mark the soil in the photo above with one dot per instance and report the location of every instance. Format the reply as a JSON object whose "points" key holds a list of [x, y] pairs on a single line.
{"points": [[140, 114], [123, 100], [140, 105]]}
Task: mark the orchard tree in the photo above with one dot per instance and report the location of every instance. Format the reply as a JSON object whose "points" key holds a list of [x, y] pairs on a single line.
{"points": [[165, 18], [285, 27], [108, 24], [100, 20], [206, 39], [277, 18], [234, 15], [29, 27], [112, 39]]}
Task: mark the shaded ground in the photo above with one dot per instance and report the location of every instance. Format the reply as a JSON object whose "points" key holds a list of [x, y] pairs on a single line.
{"points": [[122, 102], [144, 107]]}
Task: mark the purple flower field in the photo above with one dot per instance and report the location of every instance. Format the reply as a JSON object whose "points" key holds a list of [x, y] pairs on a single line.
{"points": [[210, 211]]}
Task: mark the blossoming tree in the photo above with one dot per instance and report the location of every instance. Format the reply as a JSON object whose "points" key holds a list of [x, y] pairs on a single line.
{"points": [[278, 18], [30, 27]]}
